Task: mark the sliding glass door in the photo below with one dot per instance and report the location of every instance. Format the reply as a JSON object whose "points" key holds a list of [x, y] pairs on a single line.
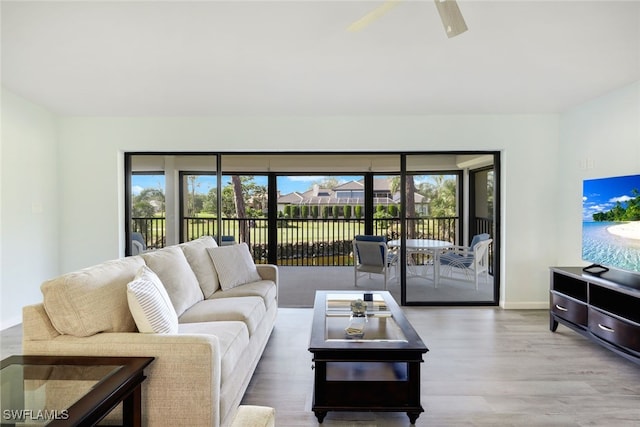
{"points": [[304, 209]]}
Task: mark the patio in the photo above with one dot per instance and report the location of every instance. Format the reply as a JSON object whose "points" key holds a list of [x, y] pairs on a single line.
{"points": [[298, 286]]}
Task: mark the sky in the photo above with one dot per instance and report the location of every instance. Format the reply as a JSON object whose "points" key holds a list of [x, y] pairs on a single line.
{"points": [[286, 184], [601, 195]]}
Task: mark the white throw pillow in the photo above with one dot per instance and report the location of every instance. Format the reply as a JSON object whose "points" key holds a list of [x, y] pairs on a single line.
{"points": [[234, 265], [150, 304]]}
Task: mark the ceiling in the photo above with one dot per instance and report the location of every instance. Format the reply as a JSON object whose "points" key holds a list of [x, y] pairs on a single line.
{"points": [[200, 58]]}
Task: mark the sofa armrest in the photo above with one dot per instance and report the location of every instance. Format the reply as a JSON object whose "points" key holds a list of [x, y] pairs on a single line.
{"points": [[268, 272], [182, 383], [36, 325]]}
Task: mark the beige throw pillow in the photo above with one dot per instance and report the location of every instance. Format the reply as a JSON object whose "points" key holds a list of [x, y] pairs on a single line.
{"points": [[150, 304], [234, 265], [92, 300], [176, 274], [196, 253]]}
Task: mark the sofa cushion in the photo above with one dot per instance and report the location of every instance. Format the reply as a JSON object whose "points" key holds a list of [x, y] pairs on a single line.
{"points": [[265, 289], [250, 310], [233, 338], [201, 263], [181, 283], [234, 265], [150, 304], [92, 300]]}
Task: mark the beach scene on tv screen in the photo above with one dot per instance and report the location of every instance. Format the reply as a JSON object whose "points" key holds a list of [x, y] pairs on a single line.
{"points": [[611, 222]]}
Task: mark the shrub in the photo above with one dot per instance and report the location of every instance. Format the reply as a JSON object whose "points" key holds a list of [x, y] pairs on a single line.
{"points": [[382, 214], [347, 212], [325, 212]]}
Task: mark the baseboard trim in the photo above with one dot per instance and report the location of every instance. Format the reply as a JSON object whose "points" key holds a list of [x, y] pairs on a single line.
{"points": [[525, 305]]}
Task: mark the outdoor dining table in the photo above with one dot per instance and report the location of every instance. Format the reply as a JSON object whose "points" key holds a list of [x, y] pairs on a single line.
{"points": [[431, 246]]}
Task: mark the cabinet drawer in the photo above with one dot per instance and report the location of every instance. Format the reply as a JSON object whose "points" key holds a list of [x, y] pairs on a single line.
{"points": [[618, 332], [569, 309]]}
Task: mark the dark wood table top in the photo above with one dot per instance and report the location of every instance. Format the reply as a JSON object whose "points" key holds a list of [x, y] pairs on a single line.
{"points": [[319, 342], [108, 379]]}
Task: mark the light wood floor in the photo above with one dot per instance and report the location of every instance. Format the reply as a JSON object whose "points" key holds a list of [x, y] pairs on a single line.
{"points": [[485, 367]]}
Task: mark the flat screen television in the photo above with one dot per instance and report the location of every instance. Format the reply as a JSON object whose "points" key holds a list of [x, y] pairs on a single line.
{"points": [[611, 223]]}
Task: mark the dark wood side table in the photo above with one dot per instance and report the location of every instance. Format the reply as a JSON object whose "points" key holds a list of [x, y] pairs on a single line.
{"points": [[70, 390]]}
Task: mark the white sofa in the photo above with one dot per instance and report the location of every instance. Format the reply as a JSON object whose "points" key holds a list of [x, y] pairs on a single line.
{"points": [[200, 372]]}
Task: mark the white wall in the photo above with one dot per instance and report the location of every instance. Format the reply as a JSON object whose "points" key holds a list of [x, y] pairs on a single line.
{"points": [[29, 205], [92, 172], [64, 208], [598, 139]]}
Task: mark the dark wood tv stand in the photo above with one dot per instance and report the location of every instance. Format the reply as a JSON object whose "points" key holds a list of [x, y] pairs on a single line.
{"points": [[604, 308]]}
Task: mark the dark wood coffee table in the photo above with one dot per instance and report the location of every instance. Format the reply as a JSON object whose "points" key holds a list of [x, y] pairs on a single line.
{"points": [[379, 371], [70, 390]]}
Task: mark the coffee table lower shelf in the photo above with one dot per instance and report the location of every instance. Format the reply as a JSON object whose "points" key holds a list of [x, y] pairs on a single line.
{"points": [[378, 371], [367, 385]]}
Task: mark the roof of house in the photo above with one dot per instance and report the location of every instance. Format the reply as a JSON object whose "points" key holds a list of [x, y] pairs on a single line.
{"points": [[320, 196]]}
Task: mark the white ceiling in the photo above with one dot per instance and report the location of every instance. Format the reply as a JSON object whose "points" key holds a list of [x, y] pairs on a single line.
{"points": [[179, 58]]}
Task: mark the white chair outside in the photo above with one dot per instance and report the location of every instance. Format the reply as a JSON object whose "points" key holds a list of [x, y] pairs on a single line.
{"points": [[373, 257], [472, 261], [138, 244]]}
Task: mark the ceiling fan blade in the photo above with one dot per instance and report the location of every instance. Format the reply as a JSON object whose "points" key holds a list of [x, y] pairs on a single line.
{"points": [[451, 17], [373, 15]]}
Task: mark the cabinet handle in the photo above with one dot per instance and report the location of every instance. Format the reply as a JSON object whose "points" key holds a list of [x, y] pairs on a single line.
{"points": [[605, 328], [561, 308]]}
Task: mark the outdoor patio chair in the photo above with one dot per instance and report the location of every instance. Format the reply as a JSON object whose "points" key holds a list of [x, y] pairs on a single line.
{"points": [[371, 255], [227, 240], [472, 261], [138, 245]]}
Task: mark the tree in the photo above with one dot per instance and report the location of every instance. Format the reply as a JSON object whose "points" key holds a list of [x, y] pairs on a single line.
{"points": [[411, 206], [258, 195], [148, 203], [192, 184], [621, 213], [228, 202], [441, 194], [410, 196], [358, 211], [325, 182], [210, 202], [243, 229]]}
